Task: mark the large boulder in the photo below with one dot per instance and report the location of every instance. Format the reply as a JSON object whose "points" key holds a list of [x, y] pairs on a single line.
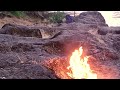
{"points": [[91, 17], [105, 30], [19, 30]]}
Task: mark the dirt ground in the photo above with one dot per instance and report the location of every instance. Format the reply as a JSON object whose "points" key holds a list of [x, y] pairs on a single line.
{"points": [[27, 21]]}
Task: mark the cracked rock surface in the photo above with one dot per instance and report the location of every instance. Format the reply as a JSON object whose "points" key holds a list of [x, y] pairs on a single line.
{"points": [[35, 55]]}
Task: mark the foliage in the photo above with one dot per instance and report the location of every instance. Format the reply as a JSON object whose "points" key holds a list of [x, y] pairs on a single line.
{"points": [[57, 17], [18, 13]]}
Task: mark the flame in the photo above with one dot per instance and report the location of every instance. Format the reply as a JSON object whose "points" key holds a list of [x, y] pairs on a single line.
{"points": [[79, 67]]}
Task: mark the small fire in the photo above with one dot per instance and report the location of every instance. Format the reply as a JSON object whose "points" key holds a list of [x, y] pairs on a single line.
{"points": [[79, 67]]}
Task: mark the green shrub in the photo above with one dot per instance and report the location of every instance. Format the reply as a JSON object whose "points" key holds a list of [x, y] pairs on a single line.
{"points": [[18, 13], [57, 17]]}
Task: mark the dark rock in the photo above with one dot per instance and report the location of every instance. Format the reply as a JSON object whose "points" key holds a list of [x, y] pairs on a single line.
{"points": [[22, 47], [4, 48], [27, 71], [8, 60], [91, 17], [37, 72], [103, 30], [20, 30], [35, 14], [68, 41], [117, 32], [114, 30], [116, 46], [64, 44], [4, 14], [113, 41], [23, 57]]}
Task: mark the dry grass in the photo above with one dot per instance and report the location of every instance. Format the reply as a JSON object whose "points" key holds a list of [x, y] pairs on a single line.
{"points": [[26, 21]]}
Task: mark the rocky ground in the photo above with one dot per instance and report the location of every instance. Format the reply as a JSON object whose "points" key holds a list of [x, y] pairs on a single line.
{"points": [[42, 52]]}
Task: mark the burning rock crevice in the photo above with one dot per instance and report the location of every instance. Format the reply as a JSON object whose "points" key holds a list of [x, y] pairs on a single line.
{"points": [[58, 65], [101, 68], [101, 53], [36, 56]]}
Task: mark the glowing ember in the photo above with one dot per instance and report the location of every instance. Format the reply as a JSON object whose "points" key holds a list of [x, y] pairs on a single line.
{"points": [[79, 67]]}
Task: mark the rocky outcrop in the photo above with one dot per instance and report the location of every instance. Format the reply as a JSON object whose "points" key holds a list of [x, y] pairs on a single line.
{"points": [[105, 30], [23, 56], [91, 17], [20, 58], [13, 67], [44, 52], [4, 14], [20, 30], [103, 57], [37, 14]]}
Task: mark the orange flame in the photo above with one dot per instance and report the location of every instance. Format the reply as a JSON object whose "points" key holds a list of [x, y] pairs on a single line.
{"points": [[80, 69]]}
